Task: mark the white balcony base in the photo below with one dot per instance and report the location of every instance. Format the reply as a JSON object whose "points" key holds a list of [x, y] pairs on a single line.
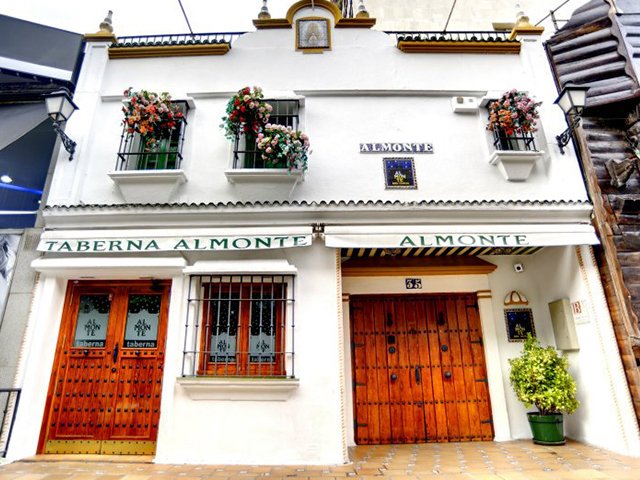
{"points": [[148, 186], [515, 166], [264, 175]]}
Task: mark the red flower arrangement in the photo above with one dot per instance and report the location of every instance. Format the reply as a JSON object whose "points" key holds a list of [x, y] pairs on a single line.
{"points": [[247, 112], [513, 113], [152, 116]]}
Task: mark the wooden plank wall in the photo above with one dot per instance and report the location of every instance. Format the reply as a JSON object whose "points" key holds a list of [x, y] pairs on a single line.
{"points": [[595, 49]]}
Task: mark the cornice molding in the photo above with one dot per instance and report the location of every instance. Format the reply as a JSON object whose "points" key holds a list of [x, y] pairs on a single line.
{"points": [[169, 51], [511, 47]]}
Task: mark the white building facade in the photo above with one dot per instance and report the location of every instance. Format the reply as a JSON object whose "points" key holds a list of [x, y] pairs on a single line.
{"points": [[212, 312]]}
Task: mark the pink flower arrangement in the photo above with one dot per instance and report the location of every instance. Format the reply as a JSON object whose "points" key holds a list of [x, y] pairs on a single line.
{"points": [[151, 115], [513, 113], [246, 113], [283, 147]]}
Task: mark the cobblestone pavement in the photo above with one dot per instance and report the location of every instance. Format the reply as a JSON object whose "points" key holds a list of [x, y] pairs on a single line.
{"points": [[517, 460]]}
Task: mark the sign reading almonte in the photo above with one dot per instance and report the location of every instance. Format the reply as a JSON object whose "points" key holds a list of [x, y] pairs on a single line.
{"points": [[164, 244], [396, 147]]}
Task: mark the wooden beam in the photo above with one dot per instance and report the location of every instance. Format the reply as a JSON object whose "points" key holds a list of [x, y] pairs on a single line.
{"points": [[169, 51], [421, 266]]}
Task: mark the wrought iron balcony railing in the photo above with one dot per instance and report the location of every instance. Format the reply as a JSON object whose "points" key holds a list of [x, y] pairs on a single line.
{"points": [[524, 141], [166, 155], [434, 36], [177, 39]]}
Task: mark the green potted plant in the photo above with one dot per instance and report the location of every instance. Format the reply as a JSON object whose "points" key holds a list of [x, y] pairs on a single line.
{"points": [[540, 378]]}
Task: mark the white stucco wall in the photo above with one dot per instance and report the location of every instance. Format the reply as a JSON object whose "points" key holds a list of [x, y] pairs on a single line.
{"points": [[606, 416], [306, 428], [363, 90]]}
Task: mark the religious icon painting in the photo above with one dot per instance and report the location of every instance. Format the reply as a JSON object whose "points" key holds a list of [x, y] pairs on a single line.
{"points": [[313, 35], [519, 324], [399, 173]]}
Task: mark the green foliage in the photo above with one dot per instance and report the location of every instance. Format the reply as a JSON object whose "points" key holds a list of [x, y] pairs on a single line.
{"points": [[541, 377]]}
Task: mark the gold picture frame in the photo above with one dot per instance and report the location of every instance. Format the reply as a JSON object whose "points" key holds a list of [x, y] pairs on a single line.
{"points": [[313, 34]]}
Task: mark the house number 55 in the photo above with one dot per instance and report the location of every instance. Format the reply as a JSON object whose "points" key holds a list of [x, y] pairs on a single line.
{"points": [[413, 283]]}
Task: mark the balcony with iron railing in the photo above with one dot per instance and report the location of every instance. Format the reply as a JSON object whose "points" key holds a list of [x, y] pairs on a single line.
{"points": [[166, 154]]}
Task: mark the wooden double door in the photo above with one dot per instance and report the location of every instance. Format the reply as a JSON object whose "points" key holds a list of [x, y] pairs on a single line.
{"points": [[418, 369], [105, 389]]}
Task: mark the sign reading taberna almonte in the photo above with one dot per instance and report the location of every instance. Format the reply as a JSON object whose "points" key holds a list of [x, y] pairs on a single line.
{"points": [[396, 147], [177, 243]]}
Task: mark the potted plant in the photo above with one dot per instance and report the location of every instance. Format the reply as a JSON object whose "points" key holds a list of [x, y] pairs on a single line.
{"points": [[512, 118], [282, 147], [540, 377], [247, 113], [154, 117]]}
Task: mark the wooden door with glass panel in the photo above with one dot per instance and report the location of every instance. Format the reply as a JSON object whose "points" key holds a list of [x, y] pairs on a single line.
{"points": [[104, 395]]}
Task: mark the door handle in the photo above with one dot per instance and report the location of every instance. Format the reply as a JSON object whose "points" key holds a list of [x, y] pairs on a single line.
{"points": [[418, 367], [115, 353]]}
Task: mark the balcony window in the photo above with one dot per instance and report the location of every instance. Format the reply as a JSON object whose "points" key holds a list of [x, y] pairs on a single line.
{"points": [[166, 154], [245, 152]]}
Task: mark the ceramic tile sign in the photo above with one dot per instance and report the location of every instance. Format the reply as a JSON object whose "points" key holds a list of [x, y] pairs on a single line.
{"points": [[399, 173], [519, 323], [313, 34]]}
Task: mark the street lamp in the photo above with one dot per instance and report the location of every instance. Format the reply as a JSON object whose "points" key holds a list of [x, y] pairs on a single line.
{"points": [[571, 100], [60, 108]]}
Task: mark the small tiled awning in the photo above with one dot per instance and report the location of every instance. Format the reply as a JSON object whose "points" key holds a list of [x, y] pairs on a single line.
{"points": [[439, 240]]}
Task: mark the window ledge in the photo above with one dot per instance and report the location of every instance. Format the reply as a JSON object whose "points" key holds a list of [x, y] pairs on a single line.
{"points": [[144, 186], [264, 175], [515, 166], [251, 389]]}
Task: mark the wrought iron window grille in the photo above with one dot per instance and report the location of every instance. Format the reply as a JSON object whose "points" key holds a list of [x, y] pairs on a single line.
{"points": [[240, 326], [167, 155], [245, 152], [524, 141]]}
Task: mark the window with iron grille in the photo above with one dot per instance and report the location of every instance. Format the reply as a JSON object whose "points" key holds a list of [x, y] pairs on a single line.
{"points": [[240, 325], [166, 155], [245, 152]]}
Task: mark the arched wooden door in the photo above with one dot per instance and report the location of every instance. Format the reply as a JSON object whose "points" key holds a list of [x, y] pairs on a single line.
{"points": [[419, 369], [104, 395]]}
